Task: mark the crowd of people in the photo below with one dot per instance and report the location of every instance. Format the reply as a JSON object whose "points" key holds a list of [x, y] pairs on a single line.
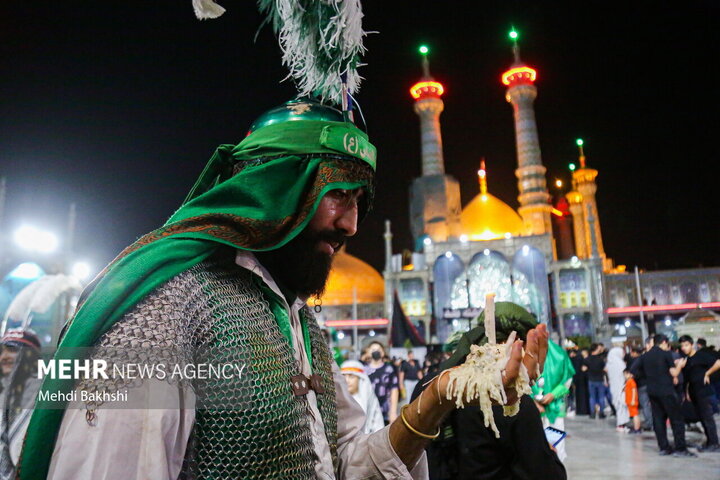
{"points": [[464, 447], [644, 388], [391, 379]]}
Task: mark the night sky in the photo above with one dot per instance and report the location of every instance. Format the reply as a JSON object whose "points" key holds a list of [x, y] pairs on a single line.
{"points": [[117, 106]]}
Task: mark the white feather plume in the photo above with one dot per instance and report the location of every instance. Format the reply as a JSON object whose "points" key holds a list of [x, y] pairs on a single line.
{"points": [[207, 9], [321, 40], [40, 295]]}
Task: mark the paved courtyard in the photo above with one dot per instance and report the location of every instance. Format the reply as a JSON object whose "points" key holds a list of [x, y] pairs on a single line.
{"points": [[597, 452]]}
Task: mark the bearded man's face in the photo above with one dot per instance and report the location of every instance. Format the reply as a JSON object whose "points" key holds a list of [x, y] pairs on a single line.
{"points": [[304, 263]]}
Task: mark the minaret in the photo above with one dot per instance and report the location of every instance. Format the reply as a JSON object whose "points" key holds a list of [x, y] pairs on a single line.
{"points": [[434, 197], [562, 225], [429, 106], [575, 199], [534, 199], [585, 186]]}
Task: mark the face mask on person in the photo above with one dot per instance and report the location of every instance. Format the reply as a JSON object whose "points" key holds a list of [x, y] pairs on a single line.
{"points": [[376, 355]]}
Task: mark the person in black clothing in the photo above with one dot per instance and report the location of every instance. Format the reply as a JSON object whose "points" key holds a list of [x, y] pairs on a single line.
{"points": [[410, 373], [580, 384], [698, 368], [466, 449], [471, 450], [679, 382], [594, 365], [432, 364], [633, 355], [642, 391], [659, 369], [702, 346]]}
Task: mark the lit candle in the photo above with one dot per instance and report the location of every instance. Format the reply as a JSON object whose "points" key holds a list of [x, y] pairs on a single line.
{"points": [[490, 318]]}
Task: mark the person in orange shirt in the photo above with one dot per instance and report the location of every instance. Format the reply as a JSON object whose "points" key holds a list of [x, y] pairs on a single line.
{"points": [[632, 401]]}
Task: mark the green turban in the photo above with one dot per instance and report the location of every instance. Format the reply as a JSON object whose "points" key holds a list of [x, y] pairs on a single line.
{"points": [[509, 317], [257, 195]]}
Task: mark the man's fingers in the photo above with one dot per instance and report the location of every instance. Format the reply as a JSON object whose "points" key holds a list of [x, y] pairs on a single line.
{"points": [[532, 353], [511, 396], [543, 344], [512, 367]]}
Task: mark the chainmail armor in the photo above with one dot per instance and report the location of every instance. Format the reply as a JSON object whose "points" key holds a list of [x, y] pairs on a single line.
{"points": [[327, 403], [247, 427]]}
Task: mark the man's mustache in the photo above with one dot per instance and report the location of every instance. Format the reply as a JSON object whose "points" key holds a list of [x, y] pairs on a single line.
{"points": [[333, 237]]}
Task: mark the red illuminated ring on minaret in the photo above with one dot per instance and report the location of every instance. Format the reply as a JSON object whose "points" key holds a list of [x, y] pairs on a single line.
{"points": [[422, 89], [368, 322], [517, 74]]}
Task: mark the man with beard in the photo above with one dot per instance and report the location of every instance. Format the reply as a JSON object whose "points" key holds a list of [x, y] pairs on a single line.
{"points": [[226, 280]]}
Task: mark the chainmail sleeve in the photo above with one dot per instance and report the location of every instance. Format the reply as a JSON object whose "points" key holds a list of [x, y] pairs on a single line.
{"points": [[148, 437], [245, 426]]}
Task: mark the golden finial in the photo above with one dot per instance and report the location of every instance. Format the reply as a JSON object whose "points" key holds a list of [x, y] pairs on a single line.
{"points": [[482, 175], [579, 142]]}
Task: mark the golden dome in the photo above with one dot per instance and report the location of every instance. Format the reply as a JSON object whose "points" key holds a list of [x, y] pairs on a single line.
{"points": [[487, 217], [348, 272]]}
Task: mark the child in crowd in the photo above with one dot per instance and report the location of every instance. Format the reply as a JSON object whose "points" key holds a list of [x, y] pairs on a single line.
{"points": [[632, 401]]}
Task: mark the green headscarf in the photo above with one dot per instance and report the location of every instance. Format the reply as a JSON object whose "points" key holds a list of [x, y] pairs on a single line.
{"points": [[509, 317], [255, 196]]}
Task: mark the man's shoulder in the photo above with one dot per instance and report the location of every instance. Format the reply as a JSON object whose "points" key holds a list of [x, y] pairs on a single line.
{"points": [[654, 352], [704, 357]]}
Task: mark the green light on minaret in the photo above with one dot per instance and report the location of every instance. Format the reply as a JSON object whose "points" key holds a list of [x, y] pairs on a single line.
{"points": [[572, 167], [423, 50], [579, 142], [513, 34]]}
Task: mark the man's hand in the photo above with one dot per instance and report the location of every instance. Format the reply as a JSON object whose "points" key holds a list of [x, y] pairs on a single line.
{"points": [[547, 399], [533, 358], [706, 379], [425, 416]]}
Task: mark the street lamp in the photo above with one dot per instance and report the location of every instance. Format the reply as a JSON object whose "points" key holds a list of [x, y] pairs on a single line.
{"points": [[81, 270], [33, 239], [27, 271]]}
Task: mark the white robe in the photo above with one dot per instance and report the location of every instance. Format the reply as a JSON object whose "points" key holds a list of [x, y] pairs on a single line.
{"points": [[365, 396], [149, 443], [616, 378]]}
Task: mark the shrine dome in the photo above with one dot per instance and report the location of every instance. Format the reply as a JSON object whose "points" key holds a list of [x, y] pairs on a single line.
{"points": [[347, 272], [487, 217]]}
